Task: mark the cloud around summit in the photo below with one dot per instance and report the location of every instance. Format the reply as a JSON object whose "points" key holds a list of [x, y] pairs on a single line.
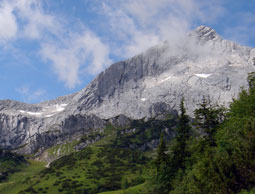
{"points": [[75, 46]]}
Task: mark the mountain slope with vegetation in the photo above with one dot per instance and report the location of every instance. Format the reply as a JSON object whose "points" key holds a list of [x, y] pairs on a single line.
{"points": [[221, 159], [10, 163], [212, 153], [113, 162]]}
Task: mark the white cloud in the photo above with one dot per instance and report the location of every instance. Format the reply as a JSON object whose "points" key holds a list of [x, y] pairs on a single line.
{"points": [[65, 63], [95, 51], [34, 21], [37, 22], [68, 59], [132, 26], [68, 53], [8, 24], [124, 32], [141, 24], [129, 28], [140, 43], [149, 12]]}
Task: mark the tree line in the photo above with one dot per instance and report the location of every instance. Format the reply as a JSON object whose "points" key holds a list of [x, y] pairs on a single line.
{"points": [[214, 153]]}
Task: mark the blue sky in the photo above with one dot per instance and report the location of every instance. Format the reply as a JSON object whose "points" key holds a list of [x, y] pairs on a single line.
{"points": [[53, 48]]}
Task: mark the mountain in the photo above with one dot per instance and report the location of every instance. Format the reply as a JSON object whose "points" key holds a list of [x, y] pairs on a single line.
{"points": [[151, 84]]}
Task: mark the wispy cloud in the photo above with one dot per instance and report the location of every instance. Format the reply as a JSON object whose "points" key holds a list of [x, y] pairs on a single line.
{"points": [[37, 23], [21, 18], [68, 52], [70, 57], [126, 28], [8, 24], [140, 24], [30, 96]]}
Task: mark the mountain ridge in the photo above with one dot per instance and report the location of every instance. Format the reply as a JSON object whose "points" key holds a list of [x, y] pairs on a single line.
{"points": [[147, 85]]}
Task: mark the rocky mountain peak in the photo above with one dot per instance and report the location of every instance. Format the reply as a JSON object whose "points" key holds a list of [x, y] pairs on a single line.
{"points": [[206, 33], [145, 86]]}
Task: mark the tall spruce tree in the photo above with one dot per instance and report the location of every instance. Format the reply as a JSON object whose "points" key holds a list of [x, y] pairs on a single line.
{"points": [[207, 119], [251, 80], [180, 151], [161, 182], [228, 167], [162, 157], [169, 165]]}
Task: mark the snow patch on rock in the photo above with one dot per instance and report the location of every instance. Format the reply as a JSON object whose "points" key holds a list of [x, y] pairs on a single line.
{"points": [[163, 80], [47, 116], [60, 107], [46, 111], [203, 75], [31, 113]]}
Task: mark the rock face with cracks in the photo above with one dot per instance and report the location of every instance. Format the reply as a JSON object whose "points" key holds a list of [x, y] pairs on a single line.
{"points": [[147, 85]]}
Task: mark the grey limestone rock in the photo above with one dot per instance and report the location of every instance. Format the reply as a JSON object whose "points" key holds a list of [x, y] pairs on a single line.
{"points": [[154, 81], [147, 85]]}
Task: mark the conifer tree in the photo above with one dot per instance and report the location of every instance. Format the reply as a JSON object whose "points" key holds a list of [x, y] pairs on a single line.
{"points": [[180, 152], [251, 80], [207, 119], [161, 181], [162, 157]]}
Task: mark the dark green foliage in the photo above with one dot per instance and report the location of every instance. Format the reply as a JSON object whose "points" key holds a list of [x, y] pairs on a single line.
{"points": [[236, 141], [162, 183], [208, 117], [112, 163], [29, 190], [91, 136], [180, 150], [162, 158], [141, 132], [124, 183], [103, 169], [180, 153], [157, 180], [227, 166], [222, 159], [167, 166], [251, 80], [10, 163]]}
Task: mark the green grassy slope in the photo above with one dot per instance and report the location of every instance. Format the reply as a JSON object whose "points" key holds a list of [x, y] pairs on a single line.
{"points": [[93, 170], [138, 189], [21, 179], [103, 166], [10, 163]]}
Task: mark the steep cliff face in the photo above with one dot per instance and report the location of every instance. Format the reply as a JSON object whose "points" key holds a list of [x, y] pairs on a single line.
{"points": [[201, 65], [147, 85], [29, 132]]}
